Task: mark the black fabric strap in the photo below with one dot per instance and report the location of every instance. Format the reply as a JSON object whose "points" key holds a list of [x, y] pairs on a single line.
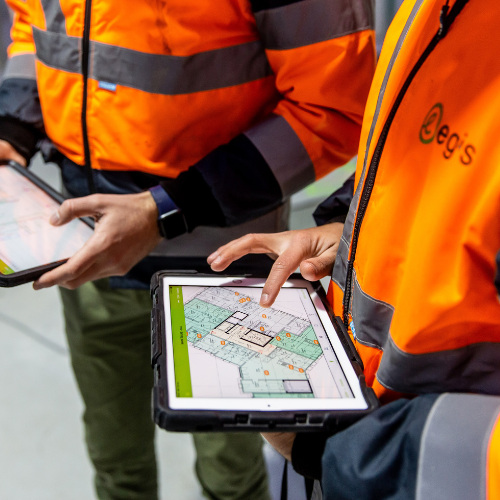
{"points": [[284, 482], [309, 482], [307, 451]]}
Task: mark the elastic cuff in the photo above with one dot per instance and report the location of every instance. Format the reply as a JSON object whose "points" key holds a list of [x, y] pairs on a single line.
{"points": [[19, 136], [194, 197], [307, 452], [338, 218]]}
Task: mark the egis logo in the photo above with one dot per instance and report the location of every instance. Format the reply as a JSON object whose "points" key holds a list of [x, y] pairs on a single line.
{"points": [[452, 142]]}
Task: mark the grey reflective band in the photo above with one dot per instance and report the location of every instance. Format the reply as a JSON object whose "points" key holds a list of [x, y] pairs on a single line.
{"points": [[372, 318], [285, 154], [349, 223], [58, 51], [312, 21], [54, 17], [340, 267], [172, 75], [454, 446], [156, 73], [473, 368], [20, 66]]}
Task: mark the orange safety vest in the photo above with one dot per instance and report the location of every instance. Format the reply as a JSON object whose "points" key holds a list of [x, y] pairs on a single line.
{"points": [[164, 83], [414, 277]]}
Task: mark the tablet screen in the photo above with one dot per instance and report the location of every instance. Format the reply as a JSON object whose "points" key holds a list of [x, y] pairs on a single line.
{"points": [[229, 349], [27, 240]]}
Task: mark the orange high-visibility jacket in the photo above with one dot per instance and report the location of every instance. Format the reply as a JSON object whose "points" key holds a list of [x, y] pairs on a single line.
{"points": [[155, 86], [414, 279]]}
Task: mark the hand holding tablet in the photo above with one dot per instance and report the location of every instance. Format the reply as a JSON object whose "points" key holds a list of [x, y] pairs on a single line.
{"points": [[29, 244]]}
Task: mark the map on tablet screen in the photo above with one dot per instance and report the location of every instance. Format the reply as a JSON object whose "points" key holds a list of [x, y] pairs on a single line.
{"points": [[227, 346]]}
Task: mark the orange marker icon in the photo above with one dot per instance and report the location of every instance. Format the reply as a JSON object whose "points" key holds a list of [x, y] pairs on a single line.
{"points": [[278, 338], [290, 366], [288, 335], [266, 372], [316, 342], [199, 335], [222, 342]]}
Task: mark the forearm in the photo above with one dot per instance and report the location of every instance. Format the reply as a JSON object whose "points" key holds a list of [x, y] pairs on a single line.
{"points": [[21, 121], [231, 185]]}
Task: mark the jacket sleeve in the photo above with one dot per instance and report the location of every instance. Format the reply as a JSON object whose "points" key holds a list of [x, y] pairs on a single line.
{"points": [[323, 57], [336, 206], [432, 447], [21, 121]]}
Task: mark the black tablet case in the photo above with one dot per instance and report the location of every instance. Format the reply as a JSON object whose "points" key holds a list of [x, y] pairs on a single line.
{"points": [[22, 277], [210, 420]]}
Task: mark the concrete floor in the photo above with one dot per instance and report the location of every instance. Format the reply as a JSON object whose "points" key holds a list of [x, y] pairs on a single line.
{"points": [[42, 453]]}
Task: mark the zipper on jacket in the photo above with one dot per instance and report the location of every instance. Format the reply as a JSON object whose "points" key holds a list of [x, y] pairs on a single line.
{"points": [[446, 19], [85, 73]]}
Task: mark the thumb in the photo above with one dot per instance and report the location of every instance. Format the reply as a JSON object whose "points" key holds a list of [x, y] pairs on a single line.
{"points": [[317, 267], [76, 207]]}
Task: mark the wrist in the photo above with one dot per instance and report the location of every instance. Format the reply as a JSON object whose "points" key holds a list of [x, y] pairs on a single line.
{"points": [[171, 221]]}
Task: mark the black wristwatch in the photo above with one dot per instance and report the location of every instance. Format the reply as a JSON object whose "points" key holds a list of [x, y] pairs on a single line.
{"points": [[171, 221]]}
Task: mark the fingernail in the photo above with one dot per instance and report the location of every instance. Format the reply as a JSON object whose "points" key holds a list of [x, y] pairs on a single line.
{"points": [[217, 260], [55, 218], [264, 298], [212, 256]]}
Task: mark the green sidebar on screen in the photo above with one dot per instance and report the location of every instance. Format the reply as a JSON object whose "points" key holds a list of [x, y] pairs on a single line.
{"points": [[180, 343], [5, 269]]}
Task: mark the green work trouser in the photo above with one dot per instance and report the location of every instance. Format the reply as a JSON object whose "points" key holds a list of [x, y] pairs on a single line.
{"points": [[109, 338]]}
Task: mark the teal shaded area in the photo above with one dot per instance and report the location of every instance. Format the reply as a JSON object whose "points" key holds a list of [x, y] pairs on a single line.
{"points": [[302, 344], [202, 318]]}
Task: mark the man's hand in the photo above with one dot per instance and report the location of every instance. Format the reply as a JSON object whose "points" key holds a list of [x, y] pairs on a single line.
{"points": [[314, 250], [7, 152], [282, 442], [125, 232]]}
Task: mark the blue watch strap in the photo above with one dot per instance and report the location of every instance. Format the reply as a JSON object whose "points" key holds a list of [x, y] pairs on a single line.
{"points": [[162, 200]]}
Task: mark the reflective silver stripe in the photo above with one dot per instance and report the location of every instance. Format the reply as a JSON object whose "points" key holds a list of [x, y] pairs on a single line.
{"points": [[285, 154], [20, 66], [454, 447], [54, 17], [340, 267], [312, 21], [58, 51], [349, 223], [473, 368], [156, 73], [372, 318], [172, 75]]}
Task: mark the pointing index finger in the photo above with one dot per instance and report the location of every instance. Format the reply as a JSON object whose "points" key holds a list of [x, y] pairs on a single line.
{"points": [[284, 266]]}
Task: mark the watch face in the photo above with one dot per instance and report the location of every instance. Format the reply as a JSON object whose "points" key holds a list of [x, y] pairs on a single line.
{"points": [[172, 224]]}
